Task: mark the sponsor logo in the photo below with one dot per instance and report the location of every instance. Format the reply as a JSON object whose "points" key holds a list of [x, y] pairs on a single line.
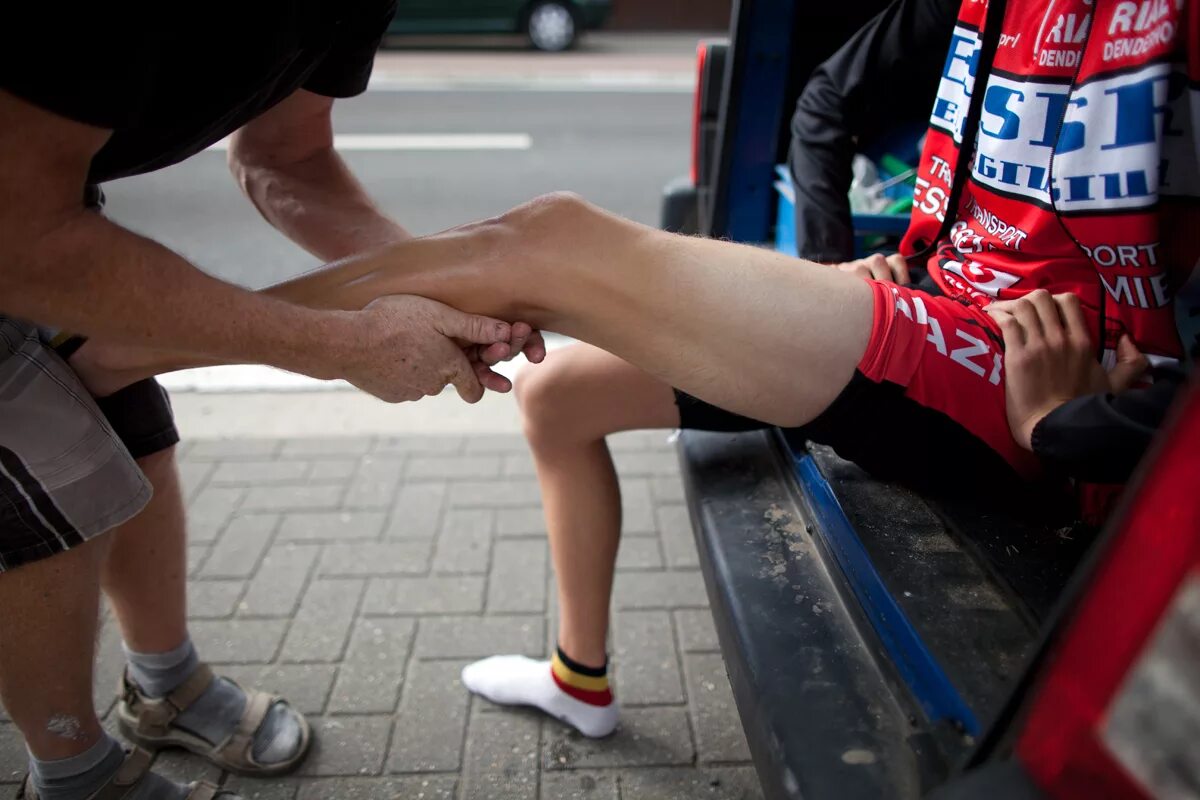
{"points": [[1151, 24], [1069, 29], [932, 199], [1150, 289], [1140, 256], [957, 83], [1062, 46], [978, 279], [1106, 136], [964, 348], [1139, 291], [1007, 235]]}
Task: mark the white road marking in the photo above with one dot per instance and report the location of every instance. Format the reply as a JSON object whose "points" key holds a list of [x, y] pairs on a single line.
{"points": [[244, 378], [422, 141], [615, 82], [255, 378]]}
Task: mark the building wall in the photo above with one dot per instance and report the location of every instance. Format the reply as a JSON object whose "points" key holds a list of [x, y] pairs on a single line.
{"points": [[665, 15]]}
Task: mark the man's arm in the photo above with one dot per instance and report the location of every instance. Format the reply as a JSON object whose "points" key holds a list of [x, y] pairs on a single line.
{"points": [[286, 164], [61, 264]]}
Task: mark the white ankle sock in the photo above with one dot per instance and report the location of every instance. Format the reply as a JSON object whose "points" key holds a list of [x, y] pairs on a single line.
{"points": [[517, 680]]}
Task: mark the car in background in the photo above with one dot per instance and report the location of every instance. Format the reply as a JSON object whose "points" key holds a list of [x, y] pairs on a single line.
{"points": [[551, 25]]}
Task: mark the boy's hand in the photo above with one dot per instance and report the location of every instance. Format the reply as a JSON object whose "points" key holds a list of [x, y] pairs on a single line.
{"points": [[878, 267], [1049, 358]]}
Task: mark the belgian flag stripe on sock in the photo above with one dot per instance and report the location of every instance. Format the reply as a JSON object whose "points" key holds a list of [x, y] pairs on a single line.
{"points": [[589, 689]]}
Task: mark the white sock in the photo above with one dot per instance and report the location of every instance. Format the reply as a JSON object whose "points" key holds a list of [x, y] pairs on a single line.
{"points": [[521, 681]]}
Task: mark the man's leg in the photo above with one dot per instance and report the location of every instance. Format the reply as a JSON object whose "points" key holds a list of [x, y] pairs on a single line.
{"points": [[47, 649], [65, 482], [570, 403], [145, 578], [47, 645], [145, 575]]}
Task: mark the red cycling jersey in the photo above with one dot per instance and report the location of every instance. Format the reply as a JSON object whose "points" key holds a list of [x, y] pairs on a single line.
{"points": [[1085, 175]]}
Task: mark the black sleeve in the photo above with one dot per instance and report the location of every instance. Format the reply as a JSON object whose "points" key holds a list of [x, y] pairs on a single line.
{"points": [[98, 67], [346, 68], [885, 75], [1100, 438]]}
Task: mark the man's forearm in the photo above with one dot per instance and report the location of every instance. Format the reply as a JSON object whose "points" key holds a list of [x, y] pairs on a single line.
{"points": [[91, 276], [318, 204]]}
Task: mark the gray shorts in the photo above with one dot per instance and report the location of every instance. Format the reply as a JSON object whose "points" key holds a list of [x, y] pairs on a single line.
{"points": [[65, 476]]}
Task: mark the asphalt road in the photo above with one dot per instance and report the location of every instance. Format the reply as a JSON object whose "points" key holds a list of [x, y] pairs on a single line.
{"points": [[617, 148]]}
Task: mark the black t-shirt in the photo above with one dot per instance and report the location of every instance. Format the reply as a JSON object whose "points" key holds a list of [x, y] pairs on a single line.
{"points": [[169, 83]]}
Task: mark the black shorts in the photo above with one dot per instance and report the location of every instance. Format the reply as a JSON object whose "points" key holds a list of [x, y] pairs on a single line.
{"points": [[67, 468], [141, 417], [139, 414], [890, 435]]}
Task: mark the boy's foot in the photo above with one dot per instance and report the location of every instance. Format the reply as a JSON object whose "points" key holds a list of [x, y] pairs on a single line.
{"points": [[517, 680]]}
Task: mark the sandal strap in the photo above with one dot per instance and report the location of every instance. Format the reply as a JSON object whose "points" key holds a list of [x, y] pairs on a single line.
{"points": [[155, 715], [203, 790], [190, 690], [128, 775], [237, 749]]}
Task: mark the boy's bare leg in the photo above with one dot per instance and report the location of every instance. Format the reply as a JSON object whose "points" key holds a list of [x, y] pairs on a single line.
{"points": [[569, 404], [746, 329]]}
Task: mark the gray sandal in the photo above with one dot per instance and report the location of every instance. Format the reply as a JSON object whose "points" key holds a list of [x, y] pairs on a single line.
{"points": [[149, 723], [129, 775]]}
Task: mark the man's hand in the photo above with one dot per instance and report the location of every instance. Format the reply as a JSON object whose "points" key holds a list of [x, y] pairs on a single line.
{"points": [[1049, 358], [406, 347], [286, 163], [893, 268], [106, 367]]}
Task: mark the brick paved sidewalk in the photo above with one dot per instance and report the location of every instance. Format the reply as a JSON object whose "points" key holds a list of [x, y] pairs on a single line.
{"points": [[357, 575]]}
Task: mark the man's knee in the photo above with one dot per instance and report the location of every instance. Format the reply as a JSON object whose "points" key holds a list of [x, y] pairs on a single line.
{"points": [[76, 568]]}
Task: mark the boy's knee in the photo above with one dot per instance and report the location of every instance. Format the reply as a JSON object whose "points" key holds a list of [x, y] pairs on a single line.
{"points": [[534, 390], [544, 397], [549, 215], [557, 205]]}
